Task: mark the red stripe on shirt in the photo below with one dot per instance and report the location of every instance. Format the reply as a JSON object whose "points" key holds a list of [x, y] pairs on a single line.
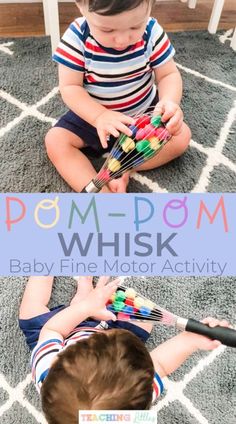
{"points": [[156, 389], [137, 45], [136, 99], [44, 348], [94, 48], [160, 51], [69, 56]]}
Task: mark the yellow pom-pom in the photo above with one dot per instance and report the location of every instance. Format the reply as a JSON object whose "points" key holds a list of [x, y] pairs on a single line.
{"points": [[128, 145], [113, 297], [149, 304], [114, 165], [130, 293], [154, 143], [138, 302]]}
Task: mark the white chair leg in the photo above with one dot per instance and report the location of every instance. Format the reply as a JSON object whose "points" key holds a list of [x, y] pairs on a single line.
{"points": [[192, 4], [233, 41], [46, 17], [52, 13], [215, 16]]}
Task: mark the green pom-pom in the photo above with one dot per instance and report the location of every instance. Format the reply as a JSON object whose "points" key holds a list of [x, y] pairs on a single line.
{"points": [[120, 295], [156, 121], [144, 147], [122, 139], [118, 306]]}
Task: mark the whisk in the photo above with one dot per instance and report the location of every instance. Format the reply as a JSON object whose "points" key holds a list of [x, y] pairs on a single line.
{"points": [[128, 305], [149, 135]]}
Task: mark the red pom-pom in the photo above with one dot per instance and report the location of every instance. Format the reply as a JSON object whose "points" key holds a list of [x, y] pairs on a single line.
{"points": [[142, 121], [129, 302]]}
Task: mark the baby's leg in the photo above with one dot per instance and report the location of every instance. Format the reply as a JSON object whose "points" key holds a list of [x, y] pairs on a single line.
{"points": [[145, 325], [173, 149], [84, 287], [63, 150], [36, 297]]}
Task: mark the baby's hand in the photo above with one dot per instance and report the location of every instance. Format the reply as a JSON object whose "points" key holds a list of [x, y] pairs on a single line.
{"points": [[204, 343], [112, 123], [98, 298], [172, 113]]}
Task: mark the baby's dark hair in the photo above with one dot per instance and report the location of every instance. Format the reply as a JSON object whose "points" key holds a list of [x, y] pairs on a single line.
{"points": [[110, 370], [112, 7]]}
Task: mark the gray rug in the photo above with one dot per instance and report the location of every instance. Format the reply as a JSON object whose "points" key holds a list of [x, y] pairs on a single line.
{"points": [[202, 391], [29, 106]]}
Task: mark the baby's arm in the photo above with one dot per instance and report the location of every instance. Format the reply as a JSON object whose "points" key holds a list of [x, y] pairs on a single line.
{"points": [[76, 97], [170, 89], [81, 103], [171, 354], [169, 82], [61, 324]]}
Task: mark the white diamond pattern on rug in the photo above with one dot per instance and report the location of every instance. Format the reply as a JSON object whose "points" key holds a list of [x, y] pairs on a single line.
{"points": [[209, 104], [227, 36], [4, 47], [30, 107], [202, 391]]}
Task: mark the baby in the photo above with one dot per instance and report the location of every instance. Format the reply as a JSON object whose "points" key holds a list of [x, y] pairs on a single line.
{"points": [[83, 358], [114, 62]]}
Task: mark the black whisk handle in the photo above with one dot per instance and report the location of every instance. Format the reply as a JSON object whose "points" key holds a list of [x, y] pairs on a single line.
{"points": [[225, 335]]}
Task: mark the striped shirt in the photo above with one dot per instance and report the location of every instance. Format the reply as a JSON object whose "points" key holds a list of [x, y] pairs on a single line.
{"points": [[124, 80], [46, 352]]}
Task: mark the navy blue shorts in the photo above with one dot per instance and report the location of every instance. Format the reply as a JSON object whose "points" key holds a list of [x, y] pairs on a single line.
{"points": [[31, 327], [72, 122]]}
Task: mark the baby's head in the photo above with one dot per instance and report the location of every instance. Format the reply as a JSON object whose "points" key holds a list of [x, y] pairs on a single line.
{"points": [[112, 7], [110, 370], [116, 23]]}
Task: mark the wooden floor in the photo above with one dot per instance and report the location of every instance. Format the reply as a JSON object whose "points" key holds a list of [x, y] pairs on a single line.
{"points": [[26, 19]]}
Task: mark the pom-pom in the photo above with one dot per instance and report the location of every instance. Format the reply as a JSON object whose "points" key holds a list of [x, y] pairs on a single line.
{"points": [[145, 311], [144, 147], [128, 310], [142, 121], [120, 295], [129, 302], [128, 145], [130, 293], [149, 304], [104, 175], [155, 143], [149, 131], [156, 121], [118, 306], [138, 302], [122, 317], [114, 165]]}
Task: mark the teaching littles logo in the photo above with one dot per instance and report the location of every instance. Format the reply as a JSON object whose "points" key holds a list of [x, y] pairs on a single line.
{"points": [[125, 417]]}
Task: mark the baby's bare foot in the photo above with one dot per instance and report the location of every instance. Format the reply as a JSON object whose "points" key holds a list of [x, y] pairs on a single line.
{"points": [[119, 185]]}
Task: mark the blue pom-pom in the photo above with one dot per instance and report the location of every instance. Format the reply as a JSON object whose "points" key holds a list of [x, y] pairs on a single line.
{"points": [[145, 311], [134, 130], [116, 153], [128, 309]]}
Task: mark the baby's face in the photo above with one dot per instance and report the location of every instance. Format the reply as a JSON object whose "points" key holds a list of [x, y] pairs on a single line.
{"points": [[118, 31]]}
